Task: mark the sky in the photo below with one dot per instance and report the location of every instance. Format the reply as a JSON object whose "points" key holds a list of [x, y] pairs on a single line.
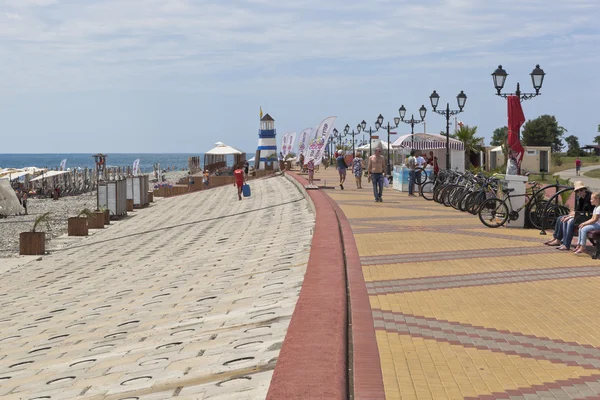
{"points": [[175, 76]]}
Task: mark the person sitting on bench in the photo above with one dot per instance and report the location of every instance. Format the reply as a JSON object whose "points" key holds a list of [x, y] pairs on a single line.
{"points": [[565, 225]]}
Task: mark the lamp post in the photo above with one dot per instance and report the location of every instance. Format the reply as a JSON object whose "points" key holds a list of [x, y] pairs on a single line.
{"points": [[461, 99], [389, 127], [347, 132], [412, 121], [363, 127], [100, 160], [537, 79]]}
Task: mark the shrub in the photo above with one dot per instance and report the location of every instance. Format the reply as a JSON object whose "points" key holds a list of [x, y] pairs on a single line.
{"points": [[557, 160]]}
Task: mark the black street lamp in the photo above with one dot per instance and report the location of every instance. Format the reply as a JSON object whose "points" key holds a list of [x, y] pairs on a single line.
{"points": [[389, 127], [537, 79], [347, 132], [363, 127], [461, 99], [412, 121]]}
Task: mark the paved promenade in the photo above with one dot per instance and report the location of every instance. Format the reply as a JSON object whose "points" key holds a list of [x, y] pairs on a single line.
{"points": [[190, 298], [465, 311], [592, 183]]}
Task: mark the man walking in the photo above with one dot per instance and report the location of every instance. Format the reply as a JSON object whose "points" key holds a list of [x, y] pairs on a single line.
{"points": [[577, 166], [341, 167], [411, 163], [376, 169]]}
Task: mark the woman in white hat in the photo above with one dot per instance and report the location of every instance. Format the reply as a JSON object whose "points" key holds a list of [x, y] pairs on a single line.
{"points": [[565, 225]]}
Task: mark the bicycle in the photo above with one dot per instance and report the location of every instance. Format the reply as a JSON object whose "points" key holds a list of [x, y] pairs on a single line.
{"points": [[495, 212]]}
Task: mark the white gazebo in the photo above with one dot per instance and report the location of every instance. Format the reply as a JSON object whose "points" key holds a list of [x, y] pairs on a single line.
{"points": [[217, 157], [431, 142], [374, 144]]}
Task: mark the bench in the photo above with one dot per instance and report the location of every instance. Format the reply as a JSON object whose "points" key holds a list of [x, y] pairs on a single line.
{"points": [[594, 237]]}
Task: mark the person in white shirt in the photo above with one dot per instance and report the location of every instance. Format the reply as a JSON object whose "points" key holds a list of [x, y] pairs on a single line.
{"points": [[420, 161]]}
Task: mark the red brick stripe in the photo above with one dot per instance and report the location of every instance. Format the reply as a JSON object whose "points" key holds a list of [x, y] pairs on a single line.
{"points": [[367, 377], [312, 362]]}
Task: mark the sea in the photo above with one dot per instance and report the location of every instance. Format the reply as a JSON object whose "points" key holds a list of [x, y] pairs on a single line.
{"points": [[147, 160]]}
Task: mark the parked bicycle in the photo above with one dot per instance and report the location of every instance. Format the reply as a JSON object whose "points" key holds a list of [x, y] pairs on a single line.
{"points": [[495, 212]]}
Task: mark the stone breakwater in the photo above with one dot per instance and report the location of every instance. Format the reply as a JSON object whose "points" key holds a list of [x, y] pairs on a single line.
{"points": [[189, 297]]}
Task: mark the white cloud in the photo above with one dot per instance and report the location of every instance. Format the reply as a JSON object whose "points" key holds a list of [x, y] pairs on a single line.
{"points": [[112, 39]]}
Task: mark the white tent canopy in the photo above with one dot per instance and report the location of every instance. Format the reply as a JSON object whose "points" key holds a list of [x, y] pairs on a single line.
{"points": [[374, 144], [49, 174], [9, 203], [427, 141], [222, 149]]}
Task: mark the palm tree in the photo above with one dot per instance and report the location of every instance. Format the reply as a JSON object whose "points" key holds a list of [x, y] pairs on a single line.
{"points": [[472, 143]]}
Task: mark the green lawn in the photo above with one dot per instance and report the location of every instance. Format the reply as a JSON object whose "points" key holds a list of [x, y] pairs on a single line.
{"points": [[595, 173]]}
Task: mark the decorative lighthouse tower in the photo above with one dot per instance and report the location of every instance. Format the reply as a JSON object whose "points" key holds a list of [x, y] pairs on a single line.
{"points": [[267, 145]]}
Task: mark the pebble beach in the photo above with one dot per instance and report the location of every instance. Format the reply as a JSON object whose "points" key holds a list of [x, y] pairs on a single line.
{"points": [[60, 210]]}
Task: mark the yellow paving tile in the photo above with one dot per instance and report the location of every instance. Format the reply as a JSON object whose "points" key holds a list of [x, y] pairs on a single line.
{"points": [[479, 265], [417, 368], [377, 244], [564, 309], [460, 372]]}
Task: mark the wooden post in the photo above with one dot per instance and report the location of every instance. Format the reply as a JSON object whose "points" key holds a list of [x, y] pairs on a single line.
{"points": [[129, 204]]}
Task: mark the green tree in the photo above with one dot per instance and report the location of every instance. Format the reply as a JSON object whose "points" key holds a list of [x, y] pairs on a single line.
{"points": [[472, 143], [597, 138], [543, 131], [574, 148], [500, 138]]}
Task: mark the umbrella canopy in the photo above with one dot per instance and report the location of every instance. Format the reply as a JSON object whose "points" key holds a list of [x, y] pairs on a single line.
{"points": [[222, 149], [426, 141], [49, 174]]}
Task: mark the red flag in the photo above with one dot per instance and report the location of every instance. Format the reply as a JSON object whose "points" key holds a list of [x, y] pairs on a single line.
{"points": [[515, 120]]}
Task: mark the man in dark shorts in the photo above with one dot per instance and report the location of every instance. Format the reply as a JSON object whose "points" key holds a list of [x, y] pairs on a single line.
{"points": [[239, 179]]}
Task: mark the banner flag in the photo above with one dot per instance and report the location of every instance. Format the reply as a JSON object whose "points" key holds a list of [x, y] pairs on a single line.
{"points": [[316, 147], [63, 165], [261, 114], [291, 142], [516, 118], [136, 167], [285, 149], [303, 141], [310, 139]]}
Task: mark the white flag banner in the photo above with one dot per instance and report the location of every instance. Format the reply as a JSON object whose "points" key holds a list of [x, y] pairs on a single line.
{"points": [[63, 165], [303, 141], [316, 148], [312, 137], [291, 142], [136, 166], [285, 144]]}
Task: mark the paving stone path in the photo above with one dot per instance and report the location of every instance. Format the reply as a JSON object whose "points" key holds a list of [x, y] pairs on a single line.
{"points": [[189, 298], [461, 311]]}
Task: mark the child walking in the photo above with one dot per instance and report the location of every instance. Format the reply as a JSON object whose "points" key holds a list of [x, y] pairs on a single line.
{"points": [[589, 225]]}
